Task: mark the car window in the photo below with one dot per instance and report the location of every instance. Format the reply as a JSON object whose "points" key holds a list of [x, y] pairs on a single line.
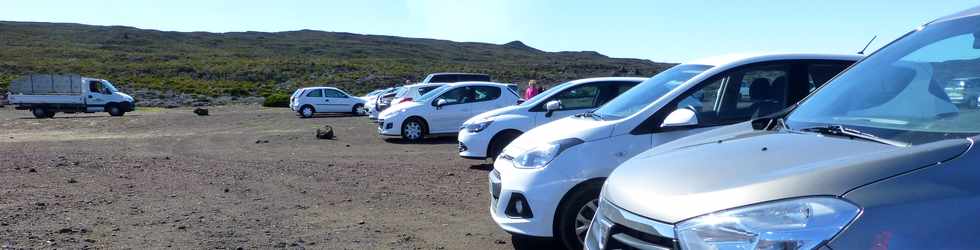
{"points": [[482, 94], [426, 89], [612, 90], [472, 78], [443, 78], [333, 93], [315, 93], [454, 96], [578, 97], [903, 91], [739, 95], [649, 91], [820, 73]]}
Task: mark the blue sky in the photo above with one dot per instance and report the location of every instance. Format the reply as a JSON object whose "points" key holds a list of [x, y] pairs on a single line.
{"points": [[670, 31]]}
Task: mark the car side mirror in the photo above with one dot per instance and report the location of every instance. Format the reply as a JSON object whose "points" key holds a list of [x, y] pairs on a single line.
{"points": [[441, 102], [680, 117], [551, 107]]}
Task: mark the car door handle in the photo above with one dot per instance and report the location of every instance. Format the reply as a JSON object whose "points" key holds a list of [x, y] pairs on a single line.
{"points": [[326, 100]]}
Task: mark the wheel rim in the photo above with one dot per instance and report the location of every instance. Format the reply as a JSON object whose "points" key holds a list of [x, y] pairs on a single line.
{"points": [[413, 130], [584, 218], [307, 112]]}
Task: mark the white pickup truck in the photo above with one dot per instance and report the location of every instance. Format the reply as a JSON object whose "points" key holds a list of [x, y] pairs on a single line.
{"points": [[44, 95]]}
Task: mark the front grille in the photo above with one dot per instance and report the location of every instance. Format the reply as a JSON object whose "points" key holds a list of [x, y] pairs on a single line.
{"points": [[621, 237], [461, 147], [632, 231]]}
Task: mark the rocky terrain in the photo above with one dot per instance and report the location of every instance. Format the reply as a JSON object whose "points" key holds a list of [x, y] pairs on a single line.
{"points": [[243, 177]]}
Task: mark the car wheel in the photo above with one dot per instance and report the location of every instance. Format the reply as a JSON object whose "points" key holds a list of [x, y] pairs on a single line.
{"points": [[358, 109], [114, 110], [307, 111], [413, 130], [575, 215], [498, 143]]}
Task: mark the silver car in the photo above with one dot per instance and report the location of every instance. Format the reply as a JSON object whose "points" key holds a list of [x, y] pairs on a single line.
{"points": [[879, 158]]}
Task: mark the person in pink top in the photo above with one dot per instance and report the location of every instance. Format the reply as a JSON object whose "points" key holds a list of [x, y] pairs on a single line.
{"points": [[532, 90]]}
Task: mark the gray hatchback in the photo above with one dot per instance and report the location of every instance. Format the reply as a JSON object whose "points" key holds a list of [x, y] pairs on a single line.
{"points": [[879, 158]]}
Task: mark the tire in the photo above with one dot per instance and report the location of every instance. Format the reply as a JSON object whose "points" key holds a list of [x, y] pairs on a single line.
{"points": [[307, 111], [41, 113], [357, 109], [499, 142], [115, 110], [569, 228], [414, 130]]}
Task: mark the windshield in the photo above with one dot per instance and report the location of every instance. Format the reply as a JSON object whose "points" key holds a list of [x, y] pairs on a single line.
{"points": [[432, 93], [910, 91], [543, 95], [108, 86], [648, 91]]}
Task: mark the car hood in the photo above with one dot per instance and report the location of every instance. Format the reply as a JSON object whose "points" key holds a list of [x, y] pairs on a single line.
{"points": [[398, 107], [492, 113], [586, 129], [751, 167]]}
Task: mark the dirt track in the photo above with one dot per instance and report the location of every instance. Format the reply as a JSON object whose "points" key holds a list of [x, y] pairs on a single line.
{"points": [[245, 177]]}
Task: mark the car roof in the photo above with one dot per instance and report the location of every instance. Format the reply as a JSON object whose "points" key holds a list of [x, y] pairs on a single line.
{"points": [[975, 11], [609, 79], [742, 58], [457, 73], [424, 84], [473, 83]]}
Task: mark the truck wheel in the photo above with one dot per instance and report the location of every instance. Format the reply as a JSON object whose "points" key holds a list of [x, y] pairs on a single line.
{"points": [[575, 214], [114, 110], [40, 112]]}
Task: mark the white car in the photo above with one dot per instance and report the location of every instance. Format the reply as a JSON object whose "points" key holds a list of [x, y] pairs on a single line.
{"points": [[546, 182], [443, 110], [312, 100], [378, 104], [485, 135], [413, 92]]}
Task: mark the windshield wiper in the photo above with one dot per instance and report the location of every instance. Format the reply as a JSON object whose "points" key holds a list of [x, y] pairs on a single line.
{"points": [[839, 130]]}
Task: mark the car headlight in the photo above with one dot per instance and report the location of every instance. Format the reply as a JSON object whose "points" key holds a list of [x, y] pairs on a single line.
{"points": [[802, 223], [541, 155], [478, 126]]}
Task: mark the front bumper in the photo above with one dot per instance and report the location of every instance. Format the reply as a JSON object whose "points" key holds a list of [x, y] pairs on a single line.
{"points": [[473, 145], [390, 127], [541, 189]]}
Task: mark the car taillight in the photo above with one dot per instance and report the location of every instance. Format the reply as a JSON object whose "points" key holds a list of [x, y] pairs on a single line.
{"points": [[405, 100]]}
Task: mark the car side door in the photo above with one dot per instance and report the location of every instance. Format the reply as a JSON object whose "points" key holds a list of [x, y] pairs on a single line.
{"points": [[574, 100], [443, 119], [731, 97], [315, 97], [337, 101]]}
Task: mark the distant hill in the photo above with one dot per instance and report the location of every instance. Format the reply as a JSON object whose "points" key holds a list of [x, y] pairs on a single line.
{"points": [[260, 63]]}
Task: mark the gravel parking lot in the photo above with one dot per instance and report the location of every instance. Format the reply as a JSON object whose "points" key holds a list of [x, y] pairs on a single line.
{"points": [[244, 176]]}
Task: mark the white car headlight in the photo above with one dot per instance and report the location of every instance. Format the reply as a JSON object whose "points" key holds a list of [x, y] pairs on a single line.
{"points": [[802, 223], [541, 155], [478, 126]]}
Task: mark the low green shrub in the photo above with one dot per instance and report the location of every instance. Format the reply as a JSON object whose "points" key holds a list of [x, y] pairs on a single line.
{"points": [[278, 100]]}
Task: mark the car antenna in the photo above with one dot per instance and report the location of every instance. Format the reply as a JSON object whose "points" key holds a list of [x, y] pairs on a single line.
{"points": [[866, 45]]}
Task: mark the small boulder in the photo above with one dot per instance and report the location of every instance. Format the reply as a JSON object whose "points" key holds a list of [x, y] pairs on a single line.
{"points": [[201, 111], [326, 132]]}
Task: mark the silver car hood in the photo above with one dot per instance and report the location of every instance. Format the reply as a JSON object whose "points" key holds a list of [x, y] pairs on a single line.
{"points": [[722, 172]]}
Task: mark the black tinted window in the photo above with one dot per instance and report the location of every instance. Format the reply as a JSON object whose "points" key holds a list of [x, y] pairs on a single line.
{"points": [[483, 93], [443, 78], [315, 93], [473, 78], [333, 93]]}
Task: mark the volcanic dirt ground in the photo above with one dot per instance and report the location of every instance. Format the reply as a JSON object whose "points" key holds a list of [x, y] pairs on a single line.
{"points": [[244, 177]]}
